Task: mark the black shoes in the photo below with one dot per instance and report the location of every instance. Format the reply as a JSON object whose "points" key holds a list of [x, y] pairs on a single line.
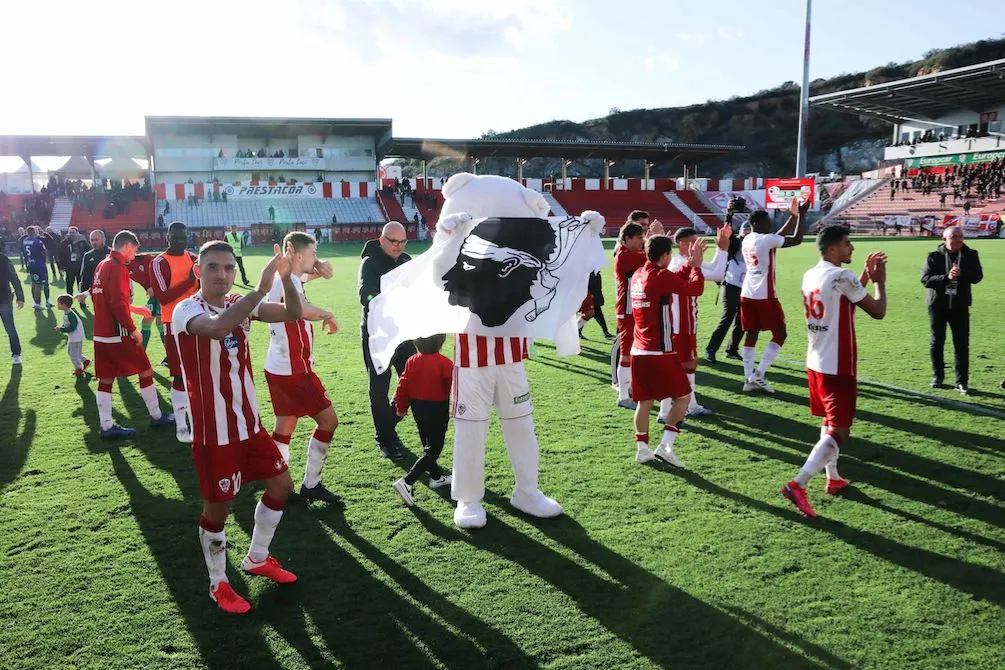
{"points": [[938, 383], [319, 493], [963, 389], [734, 355]]}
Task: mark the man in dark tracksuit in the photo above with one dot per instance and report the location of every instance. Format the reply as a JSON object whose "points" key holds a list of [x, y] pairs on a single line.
{"points": [[9, 281], [380, 257], [948, 274], [90, 261], [71, 252], [732, 282]]}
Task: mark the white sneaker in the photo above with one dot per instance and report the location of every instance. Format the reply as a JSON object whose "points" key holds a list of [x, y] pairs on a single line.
{"points": [[668, 455], [759, 383], [403, 490], [748, 385], [660, 419], [643, 454], [16, 360], [535, 504], [38, 307], [627, 404], [469, 515], [444, 480], [698, 410], [183, 435]]}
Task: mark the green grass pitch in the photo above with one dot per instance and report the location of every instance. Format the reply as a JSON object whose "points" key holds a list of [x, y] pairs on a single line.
{"points": [[100, 566]]}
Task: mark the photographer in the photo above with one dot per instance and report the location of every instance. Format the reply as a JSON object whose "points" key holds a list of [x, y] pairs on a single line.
{"points": [[736, 268]]}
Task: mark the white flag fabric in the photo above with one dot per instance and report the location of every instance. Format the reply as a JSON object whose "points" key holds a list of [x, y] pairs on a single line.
{"points": [[501, 277]]}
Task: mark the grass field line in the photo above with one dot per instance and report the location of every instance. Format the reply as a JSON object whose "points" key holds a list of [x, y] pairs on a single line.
{"points": [[948, 402]]}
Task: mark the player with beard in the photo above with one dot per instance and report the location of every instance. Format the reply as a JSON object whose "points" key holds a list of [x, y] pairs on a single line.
{"points": [[173, 280], [230, 446], [830, 295], [294, 387]]}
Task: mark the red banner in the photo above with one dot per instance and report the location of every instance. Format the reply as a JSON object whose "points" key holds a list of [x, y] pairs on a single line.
{"points": [[780, 192]]}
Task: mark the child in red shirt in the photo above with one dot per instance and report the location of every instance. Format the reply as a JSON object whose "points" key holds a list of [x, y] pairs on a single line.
{"points": [[425, 385]]}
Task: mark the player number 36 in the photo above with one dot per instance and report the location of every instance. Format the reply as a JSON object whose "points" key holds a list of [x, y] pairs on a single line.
{"points": [[813, 305]]}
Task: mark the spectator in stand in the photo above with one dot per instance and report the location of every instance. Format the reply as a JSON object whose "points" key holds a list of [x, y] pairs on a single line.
{"points": [[10, 282], [966, 208], [272, 215], [334, 220], [948, 274]]}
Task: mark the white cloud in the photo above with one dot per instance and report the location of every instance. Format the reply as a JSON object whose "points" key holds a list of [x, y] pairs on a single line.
{"points": [[662, 62]]}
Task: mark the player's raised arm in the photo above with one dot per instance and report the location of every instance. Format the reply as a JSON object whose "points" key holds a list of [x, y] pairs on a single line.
{"points": [[292, 307], [794, 228], [875, 268]]}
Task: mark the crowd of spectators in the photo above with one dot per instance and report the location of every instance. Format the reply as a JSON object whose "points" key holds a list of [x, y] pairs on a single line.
{"points": [[23, 211], [113, 194], [930, 135], [980, 181]]}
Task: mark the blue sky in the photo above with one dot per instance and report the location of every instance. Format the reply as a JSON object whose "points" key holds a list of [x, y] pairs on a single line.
{"points": [[438, 68]]}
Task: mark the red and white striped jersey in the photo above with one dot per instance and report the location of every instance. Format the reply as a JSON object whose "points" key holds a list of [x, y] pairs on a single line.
{"points": [[291, 343], [829, 296], [759, 254], [479, 351], [218, 379], [685, 307]]}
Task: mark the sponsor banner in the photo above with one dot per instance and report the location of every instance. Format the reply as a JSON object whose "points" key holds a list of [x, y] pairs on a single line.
{"points": [[309, 190], [954, 159], [302, 163], [780, 192], [894, 220]]}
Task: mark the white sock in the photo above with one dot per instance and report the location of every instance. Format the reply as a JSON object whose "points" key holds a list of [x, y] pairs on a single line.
{"points": [[767, 358], [669, 437], [832, 467], [284, 449], [104, 399], [694, 401], [179, 404], [823, 451], [149, 394], [665, 405], [641, 446], [749, 354], [214, 550], [624, 382], [317, 453], [266, 520], [580, 323]]}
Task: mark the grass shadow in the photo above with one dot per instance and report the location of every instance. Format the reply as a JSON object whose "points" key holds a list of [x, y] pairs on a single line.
{"points": [[14, 446]]}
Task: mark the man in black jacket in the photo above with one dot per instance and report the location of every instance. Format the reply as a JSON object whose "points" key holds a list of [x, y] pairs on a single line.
{"points": [[948, 274], [9, 281], [380, 257], [90, 261], [71, 252], [51, 242]]}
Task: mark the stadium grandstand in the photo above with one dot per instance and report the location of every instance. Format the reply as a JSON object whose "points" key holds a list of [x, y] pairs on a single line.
{"points": [[944, 163], [268, 175]]}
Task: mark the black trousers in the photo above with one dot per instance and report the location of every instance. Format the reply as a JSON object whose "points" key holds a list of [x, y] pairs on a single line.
{"points": [[384, 417], [71, 278], [431, 418], [958, 321], [730, 316], [240, 266]]}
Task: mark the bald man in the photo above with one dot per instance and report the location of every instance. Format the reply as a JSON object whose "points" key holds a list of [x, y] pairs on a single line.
{"points": [[380, 256], [98, 252]]}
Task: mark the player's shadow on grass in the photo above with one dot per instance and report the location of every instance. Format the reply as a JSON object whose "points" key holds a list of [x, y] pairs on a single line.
{"points": [[661, 622], [14, 445], [46, 338], [567, 365], [338, 610], [981, 582]]}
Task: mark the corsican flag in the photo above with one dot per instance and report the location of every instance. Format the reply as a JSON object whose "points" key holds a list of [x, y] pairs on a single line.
{"points": [[500, 277]]}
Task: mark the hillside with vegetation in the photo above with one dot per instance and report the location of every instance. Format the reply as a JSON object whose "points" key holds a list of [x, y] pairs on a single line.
{"points": [[765, 122]]}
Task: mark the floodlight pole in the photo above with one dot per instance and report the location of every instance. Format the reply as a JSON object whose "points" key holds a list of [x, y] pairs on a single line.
{"points": [[804, 101]]}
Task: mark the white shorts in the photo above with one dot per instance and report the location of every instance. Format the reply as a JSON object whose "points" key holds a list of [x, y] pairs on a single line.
{"points": [[478, 390]]}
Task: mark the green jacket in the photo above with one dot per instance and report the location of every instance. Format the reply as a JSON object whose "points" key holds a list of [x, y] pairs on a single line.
{"points": [[235, 240]]}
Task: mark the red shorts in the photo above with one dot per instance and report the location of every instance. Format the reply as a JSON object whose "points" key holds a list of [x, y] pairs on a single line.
{"points": [[686, 346], [626, 336], [757, 315], [171, 350], [658, 377], [222, 470], [119, 359], [833, 397], [297, 395]]}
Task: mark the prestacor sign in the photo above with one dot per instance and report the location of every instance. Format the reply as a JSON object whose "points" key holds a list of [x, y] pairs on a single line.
{"points": [[780, 192], [309, 190]]}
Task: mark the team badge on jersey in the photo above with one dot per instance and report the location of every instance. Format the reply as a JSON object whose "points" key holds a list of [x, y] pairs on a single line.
{"points": [[230, 342], [224, 485]]}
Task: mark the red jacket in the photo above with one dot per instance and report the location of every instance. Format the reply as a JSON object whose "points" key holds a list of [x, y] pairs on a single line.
{"points": [[652, 289], [111, 293], [426, 377], [139, 269]]}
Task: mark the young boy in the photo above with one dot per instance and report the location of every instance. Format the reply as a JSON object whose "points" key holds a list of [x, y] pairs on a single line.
{"points": [[74, 329], [425, 385]]}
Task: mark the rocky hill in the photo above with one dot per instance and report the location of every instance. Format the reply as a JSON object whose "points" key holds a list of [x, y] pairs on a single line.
{"points": [[766, 122]]}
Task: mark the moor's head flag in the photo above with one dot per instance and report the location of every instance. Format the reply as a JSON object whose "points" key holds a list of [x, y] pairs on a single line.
{"points": [[506, 276]]}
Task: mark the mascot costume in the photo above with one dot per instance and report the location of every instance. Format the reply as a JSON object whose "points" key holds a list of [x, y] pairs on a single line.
{"points": [[500, 271]]}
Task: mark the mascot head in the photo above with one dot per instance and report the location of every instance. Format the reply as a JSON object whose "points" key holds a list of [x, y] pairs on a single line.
{"points": [[501, 257]]}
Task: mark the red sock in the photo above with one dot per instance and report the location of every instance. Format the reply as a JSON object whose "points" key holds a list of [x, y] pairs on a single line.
{"points": [[642, 437], [105, 387], [674, 429], [323, 435], [146, 381], [272, 503], [209, 526], [837, 437], [178, 384], [279, 437]]}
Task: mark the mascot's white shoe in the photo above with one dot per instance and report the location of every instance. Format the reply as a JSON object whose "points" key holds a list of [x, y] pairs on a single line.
{"points": [[469, 515], [535, 504]]}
